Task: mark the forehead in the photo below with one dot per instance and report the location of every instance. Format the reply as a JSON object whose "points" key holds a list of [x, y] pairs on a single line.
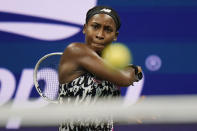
{"points": [[103, 19]]}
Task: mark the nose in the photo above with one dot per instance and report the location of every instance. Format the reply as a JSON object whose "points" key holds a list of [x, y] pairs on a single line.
{"points": [[100, 34]]}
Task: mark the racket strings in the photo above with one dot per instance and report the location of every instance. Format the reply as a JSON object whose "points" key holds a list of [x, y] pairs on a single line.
{"points": [[47, 76]]}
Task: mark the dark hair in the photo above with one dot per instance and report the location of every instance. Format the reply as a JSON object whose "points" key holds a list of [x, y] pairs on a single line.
{"points": [[104, 10]]}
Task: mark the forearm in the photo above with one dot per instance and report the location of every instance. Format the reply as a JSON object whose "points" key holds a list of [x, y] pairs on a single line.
{"points": [[121, 77], [104, 71]]}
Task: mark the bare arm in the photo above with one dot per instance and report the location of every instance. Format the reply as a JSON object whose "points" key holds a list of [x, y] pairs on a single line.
{"points": [[93, 63]]}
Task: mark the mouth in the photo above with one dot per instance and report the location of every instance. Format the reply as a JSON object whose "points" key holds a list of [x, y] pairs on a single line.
{"points": [[100, 46]]}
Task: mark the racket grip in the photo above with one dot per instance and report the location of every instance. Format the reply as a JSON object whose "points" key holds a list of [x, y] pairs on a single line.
{"points": [[138, 74]]}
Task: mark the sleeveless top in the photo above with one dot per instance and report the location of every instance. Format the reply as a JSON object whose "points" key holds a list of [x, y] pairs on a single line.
{"points": [[87, 88]]}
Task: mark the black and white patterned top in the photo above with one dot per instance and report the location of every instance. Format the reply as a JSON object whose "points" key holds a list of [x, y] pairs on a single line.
{"points": [[87, 88]]}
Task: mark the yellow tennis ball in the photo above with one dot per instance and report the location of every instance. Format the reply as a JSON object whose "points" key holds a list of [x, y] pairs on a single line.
{"points": [[117, 54]]}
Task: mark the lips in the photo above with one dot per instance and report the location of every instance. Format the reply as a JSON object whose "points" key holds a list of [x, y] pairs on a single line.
{"points": [[97, 45]]}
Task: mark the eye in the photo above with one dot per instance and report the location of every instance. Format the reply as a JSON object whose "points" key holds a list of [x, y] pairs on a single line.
{"points": [[108, 29], [95, 26]]}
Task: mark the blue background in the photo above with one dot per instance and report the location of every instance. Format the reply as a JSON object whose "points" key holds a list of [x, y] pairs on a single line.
{"points": [[165, 28], [162, 27]]}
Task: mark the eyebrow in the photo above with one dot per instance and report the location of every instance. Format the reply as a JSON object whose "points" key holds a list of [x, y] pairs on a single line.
{"points": [[100, 24]]}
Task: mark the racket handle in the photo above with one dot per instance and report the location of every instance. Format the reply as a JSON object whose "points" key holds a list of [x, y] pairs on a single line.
{"points": [[138, 74]]}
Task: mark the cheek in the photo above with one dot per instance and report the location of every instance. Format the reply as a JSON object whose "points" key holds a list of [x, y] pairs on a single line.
{"points": [[89, 32], [110, 37], [89, 36], [107, 41]]}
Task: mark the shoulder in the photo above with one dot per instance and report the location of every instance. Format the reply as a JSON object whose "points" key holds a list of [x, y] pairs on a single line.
{"points": [[77, 49], [76, 46]]}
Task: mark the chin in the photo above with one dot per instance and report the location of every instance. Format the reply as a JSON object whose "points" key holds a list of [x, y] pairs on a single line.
{"points": [[98, 49]]}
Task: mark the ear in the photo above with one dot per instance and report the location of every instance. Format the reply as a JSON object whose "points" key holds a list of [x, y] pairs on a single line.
{"points": [[84, 28], [116, 36]]}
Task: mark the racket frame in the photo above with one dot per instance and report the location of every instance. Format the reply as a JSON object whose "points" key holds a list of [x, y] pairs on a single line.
{"points": [[35, 76]]}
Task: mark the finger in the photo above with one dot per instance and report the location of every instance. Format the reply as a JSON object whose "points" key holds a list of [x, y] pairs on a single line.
{"points": [[139, 68]]}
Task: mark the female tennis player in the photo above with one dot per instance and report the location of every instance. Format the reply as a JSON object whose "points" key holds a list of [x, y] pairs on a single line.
{"points": [[84, 75]]}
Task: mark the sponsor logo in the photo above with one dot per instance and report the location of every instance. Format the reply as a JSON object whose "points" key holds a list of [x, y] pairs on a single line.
{"points": [[59, 19], [106, 10]]}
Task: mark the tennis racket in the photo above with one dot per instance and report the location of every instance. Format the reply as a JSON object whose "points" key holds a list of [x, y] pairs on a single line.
{"points": [[46, 76]]}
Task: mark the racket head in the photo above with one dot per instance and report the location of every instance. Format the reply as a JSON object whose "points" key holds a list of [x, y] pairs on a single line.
{"points": [[45, 76]]}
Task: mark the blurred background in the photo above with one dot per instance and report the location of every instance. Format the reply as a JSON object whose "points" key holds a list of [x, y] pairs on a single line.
{"points": [[161, 35]]}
